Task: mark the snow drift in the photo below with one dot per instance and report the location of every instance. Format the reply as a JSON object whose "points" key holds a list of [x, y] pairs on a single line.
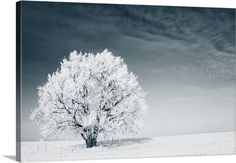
{"points": [[182, 145]]}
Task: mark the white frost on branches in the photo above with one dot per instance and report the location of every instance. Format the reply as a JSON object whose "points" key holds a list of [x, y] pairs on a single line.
{"points": [[90, 95]]}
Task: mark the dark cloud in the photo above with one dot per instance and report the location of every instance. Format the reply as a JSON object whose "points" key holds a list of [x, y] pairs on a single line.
{"points": [[93, 21], [56, 29]]}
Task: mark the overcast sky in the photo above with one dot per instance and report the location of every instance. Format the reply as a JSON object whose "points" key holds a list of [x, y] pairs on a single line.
{"points": [[183, 57]]}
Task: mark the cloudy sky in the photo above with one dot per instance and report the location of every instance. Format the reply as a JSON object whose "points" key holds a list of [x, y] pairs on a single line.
{"points": [[184, 58]]}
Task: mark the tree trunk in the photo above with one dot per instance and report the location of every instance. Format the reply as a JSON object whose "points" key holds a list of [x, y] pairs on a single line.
{"points": [[90, 136], [91, 142]]}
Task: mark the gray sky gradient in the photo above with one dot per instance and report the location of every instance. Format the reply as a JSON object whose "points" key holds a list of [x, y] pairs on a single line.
{"points": [[184, 58]]}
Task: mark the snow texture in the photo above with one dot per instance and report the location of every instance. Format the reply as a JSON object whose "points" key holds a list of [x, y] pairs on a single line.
{"points": [[182, 145]]}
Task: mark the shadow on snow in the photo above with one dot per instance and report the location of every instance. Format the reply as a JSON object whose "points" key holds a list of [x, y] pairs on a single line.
{"points": [[123, 142], [116, 143]]}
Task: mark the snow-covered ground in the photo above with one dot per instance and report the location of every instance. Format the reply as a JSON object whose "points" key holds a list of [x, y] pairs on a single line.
{"points": [[183, 145]]}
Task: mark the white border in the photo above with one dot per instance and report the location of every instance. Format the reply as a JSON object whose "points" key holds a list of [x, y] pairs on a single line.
{"points": [[7, 77]]}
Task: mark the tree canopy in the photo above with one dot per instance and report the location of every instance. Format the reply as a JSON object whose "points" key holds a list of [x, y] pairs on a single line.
{"points": [[90, 95]]}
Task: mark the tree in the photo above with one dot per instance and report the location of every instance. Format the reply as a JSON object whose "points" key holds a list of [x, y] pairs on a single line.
{"points": [[90, 95]]}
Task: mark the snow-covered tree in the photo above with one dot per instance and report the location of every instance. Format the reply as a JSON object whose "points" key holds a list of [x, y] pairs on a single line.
{"points": [[90, 95]]}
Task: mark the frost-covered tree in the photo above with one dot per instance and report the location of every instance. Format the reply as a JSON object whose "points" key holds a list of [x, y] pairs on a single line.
{"points": [[90, 95]]}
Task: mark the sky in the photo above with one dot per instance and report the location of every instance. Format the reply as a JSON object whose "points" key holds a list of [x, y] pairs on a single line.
{"points": [[184, 59]]}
